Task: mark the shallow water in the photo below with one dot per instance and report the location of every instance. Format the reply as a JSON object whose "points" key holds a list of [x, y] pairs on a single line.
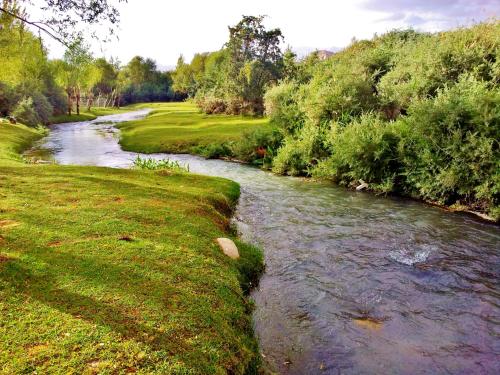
{"points": [[354, 283]]}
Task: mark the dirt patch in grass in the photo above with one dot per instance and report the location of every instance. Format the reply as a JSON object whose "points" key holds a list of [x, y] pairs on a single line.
{"points": [[8, 223], [4, 258]]}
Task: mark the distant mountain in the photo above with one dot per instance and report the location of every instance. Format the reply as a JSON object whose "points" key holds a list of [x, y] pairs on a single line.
{"points": [[305, 51]]}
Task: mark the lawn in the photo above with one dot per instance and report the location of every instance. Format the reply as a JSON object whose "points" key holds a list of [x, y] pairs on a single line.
{"points": [[113, 271], [180, 128]]}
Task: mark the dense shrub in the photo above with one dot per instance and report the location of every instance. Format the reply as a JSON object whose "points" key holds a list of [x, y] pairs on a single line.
{"points": [[366, 149], [450, 147], [25, 112], [282, 107], [214, 150], [413, 113], [42, 107], [339, 92], [427, 64], [258, 146], [298, 155], [7, 100]]}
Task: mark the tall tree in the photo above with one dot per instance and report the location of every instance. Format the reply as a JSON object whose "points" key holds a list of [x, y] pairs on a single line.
{"points": [[255, 59]]}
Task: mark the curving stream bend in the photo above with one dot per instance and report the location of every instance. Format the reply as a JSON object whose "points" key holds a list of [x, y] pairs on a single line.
{"points": [[354, 283]]}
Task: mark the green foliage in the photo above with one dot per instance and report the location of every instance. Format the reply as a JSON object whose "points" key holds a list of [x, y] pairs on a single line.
{"points": [[140, 81], [366, 149], [417, 73], [258, 146], [7, 101], [341, 90], [42, 107], [25, 113], [250, 266], [406, 112], [450, 148], [213, 150], [233, 80], [154, 164], [282, 107], [299, 154]]}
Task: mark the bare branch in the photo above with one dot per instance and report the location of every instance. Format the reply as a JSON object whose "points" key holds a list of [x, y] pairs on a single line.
{"points": [[35, 24]]}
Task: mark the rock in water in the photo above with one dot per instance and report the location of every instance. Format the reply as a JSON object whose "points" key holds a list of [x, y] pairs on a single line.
{"points": [[228, 247], [363, 185]]}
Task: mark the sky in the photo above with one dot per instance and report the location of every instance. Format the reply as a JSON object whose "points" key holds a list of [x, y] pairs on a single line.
{"points": [[164, 29]]}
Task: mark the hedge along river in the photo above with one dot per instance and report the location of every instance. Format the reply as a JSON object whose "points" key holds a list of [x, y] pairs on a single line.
{"points": [[354, 283]]}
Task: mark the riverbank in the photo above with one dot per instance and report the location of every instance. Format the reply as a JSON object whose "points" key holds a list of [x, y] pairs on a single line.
{"points": [[182, 128], [115, 270]]}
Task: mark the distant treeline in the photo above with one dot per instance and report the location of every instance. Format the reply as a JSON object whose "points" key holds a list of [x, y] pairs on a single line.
{"points": [[33, 88]]}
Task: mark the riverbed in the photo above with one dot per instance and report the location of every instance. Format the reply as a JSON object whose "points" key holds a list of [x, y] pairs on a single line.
{"points": [[354, 283]]}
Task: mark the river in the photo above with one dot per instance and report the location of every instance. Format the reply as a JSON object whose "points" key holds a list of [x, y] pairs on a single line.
{"points": [[354, 283]]}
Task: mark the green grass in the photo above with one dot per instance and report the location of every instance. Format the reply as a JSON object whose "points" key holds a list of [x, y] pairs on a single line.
{"points": [[181, 128], [113, 271]]}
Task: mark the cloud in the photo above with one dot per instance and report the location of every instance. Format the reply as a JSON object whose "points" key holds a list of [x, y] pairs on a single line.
{"points": [[438, 13]]}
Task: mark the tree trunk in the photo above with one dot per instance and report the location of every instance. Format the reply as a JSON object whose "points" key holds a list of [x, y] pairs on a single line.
{"points": [[90, 100], [78, 101], [70, 104]]}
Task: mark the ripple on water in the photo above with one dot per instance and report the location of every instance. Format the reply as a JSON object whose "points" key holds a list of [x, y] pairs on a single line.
{"points": [[411, 255]]}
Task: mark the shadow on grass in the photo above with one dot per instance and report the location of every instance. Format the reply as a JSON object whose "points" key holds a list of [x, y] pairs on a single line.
{"points": [[128, 324]]}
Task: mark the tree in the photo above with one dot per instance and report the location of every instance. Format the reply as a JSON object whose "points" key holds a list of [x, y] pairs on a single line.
{"points": [[106, 83], [66, 20], [255, 59], [75, 73], [290, 66], [140, 81], [234, 79]]}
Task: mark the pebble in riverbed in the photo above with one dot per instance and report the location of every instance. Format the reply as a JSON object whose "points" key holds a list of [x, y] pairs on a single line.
{"points": [[228, 247]]}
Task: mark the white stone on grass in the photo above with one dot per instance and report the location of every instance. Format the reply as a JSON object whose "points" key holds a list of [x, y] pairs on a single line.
{"points": [[228, 247]]}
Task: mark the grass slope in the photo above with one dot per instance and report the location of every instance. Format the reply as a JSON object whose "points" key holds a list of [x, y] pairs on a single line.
{"points": [[113, 271], [180, 127]]}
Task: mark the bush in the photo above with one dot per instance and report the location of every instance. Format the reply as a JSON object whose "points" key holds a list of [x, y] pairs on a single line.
{"points": [[298, 155], [42, 106], [258, 146], [25, 112], [282, 107], [407, 112], [339, 92], [427, 64], [451, 150], [365, 149], [211, 104], [214, 150], [7, 99]]}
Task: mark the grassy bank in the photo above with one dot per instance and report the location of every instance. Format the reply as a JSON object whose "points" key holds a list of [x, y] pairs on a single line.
{"points": [[113, 271], [181, 128]]}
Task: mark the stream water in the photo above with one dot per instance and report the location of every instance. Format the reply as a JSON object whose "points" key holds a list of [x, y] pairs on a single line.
{"points": [[354, 283]]}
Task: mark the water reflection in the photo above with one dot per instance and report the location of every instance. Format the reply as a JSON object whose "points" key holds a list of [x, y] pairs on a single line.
{"points": [[355, 284]]}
